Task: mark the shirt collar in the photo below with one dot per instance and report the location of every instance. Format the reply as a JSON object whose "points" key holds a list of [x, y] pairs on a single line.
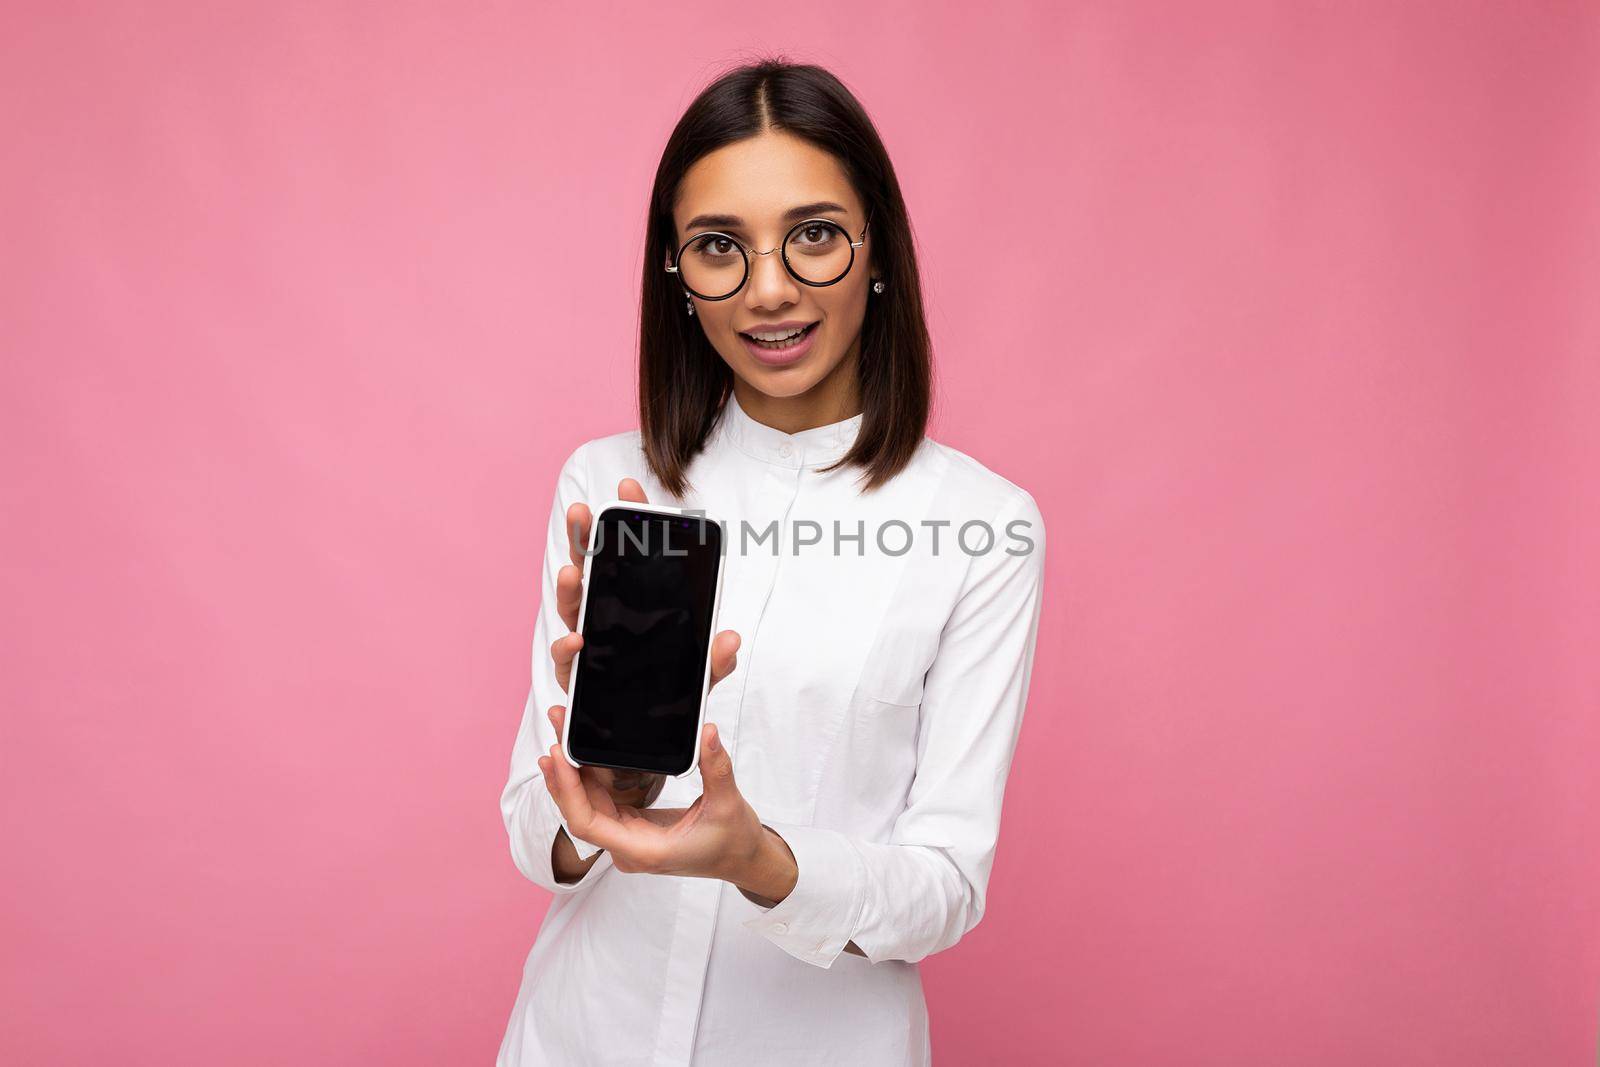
{"points": [[815, 447]]}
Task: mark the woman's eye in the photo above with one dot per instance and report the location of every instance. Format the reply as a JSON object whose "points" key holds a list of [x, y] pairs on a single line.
{"points": [[714, 247], [816, 236]]}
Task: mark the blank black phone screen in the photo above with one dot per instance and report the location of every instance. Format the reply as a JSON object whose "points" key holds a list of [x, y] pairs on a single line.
{"points": [[646, 628]]}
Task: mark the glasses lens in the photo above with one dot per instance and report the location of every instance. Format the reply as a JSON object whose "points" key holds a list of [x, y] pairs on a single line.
{"points": [[711, 265], [818, 252]]}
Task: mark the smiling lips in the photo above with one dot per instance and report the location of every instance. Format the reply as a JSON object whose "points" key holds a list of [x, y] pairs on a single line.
{"points": [[784, 353]]}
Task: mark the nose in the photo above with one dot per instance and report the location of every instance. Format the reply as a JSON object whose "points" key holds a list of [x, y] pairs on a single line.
{"points": [[770, 285]]}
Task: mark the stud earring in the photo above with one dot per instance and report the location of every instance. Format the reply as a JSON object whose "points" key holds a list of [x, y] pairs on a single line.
{"points": [[877, 286]]}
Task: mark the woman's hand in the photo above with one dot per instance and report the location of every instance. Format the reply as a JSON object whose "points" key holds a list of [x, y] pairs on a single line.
{"points": [[635, 789], [718, 836]]}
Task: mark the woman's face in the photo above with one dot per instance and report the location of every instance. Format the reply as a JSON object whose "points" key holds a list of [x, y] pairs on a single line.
{"points": [[751, 187]]}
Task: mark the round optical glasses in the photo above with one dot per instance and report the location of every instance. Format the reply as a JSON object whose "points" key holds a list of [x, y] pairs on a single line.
{"points": [[816, 252]]}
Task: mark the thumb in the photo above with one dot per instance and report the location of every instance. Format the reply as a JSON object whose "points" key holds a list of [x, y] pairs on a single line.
{"points": [[716, 766]]}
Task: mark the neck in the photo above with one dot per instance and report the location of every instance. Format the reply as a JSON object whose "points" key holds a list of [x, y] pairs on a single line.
{"points": [[833, 399]]}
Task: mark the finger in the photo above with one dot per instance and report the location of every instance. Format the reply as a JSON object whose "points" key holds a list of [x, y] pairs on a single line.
{"points": [[557, 716], [569, 593], [599, 795], [630, 489], [572, 797], [565, 785], [578, 533], [598, 782], [716, 767], [599, 799], [562, 652], [724, 655]]}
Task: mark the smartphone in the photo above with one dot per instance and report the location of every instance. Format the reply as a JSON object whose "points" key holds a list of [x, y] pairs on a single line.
{"points": [[652, 586]]}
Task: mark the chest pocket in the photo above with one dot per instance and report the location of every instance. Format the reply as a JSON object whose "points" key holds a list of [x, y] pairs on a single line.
{"points": [[897, 665], [877, 752]]}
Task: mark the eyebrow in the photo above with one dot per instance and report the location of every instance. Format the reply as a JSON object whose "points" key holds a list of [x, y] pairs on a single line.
{"points": [[794, 214]]}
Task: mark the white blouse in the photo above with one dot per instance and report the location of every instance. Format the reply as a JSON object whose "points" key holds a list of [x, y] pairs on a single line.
{"points": [[882, 673]]}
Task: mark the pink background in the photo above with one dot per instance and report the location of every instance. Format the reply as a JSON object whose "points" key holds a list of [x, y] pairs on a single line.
{"points": [[1286, 313]]}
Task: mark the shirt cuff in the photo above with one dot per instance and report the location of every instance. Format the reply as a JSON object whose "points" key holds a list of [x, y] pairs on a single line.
{"points": [[585, 849], [551, 818], [816, 920]]}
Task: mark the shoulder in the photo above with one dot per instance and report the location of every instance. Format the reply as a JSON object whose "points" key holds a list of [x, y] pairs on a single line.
{"points": [[976, 489], [598, 456], [1000, 516]]}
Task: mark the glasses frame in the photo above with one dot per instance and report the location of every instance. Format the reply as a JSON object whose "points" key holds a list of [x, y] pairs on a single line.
{"points": [[782, 249]]}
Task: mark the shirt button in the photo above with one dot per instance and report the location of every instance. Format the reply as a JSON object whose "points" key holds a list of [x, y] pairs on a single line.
{"points": [[780, 928], [785, 451]]}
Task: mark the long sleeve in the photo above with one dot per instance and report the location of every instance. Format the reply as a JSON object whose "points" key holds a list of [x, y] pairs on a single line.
{"points": [[531, 817], [921, 891]]}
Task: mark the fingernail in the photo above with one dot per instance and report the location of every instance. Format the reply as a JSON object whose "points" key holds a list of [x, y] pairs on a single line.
{"points": [[713, 742]]}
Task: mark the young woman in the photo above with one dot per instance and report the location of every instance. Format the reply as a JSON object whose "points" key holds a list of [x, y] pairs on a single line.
{"points": [[881, 602]]}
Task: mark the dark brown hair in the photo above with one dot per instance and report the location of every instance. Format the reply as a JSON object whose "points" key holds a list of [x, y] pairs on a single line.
{"points": [[683, 382]]}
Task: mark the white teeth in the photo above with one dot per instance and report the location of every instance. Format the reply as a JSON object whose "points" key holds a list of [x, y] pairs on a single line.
{"points": [[789, 341], [777, 336]]}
